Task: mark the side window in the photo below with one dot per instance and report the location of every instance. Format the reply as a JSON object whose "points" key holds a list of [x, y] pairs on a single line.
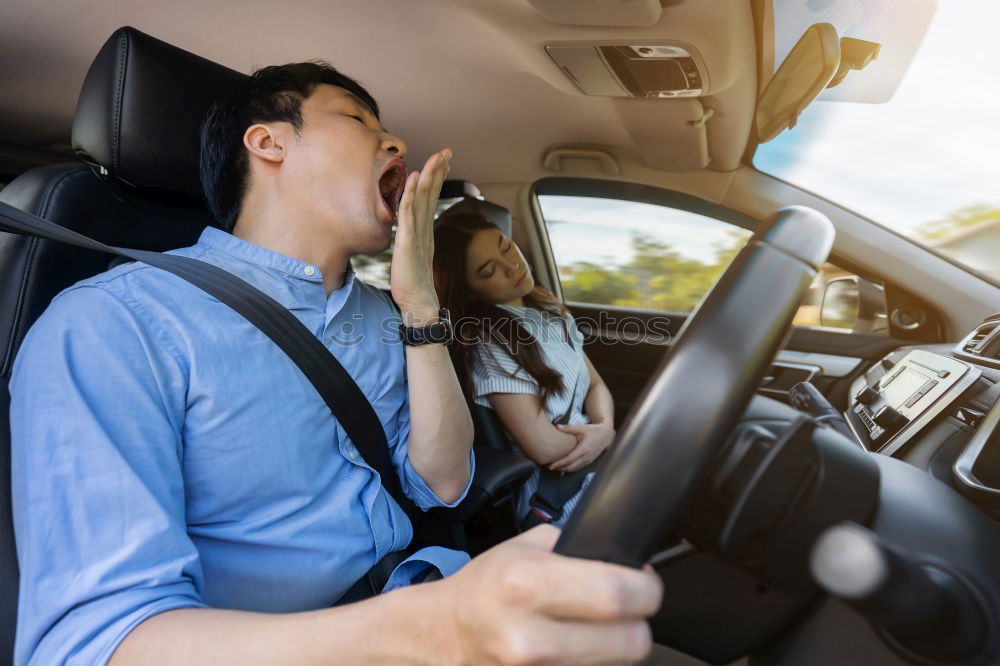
{"points": [[634, 254], [657, 256]]}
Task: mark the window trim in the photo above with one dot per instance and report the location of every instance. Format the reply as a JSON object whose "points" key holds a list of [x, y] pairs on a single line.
{"points": [[637, 193]]}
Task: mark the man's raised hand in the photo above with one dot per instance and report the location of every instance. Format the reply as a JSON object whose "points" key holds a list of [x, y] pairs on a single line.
{"points": [[411, 278]]}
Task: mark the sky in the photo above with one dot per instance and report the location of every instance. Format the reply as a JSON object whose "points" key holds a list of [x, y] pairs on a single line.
{"points": [[927, 147], [928, 151], [601, 230]]}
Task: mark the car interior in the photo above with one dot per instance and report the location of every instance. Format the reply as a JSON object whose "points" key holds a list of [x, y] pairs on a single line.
{"points": [[807, 402]]}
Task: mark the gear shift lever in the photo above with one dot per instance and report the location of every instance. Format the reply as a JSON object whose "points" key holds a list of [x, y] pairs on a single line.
{"points": [[923, 607]]}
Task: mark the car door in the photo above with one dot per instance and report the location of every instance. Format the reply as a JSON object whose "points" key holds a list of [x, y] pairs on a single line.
{"points": [[633, 261]]}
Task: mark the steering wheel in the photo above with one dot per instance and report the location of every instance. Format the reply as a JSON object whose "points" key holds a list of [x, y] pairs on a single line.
{"points": [[684, 415]]}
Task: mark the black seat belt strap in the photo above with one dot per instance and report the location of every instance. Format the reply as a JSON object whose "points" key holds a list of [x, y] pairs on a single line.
{"points": [[341, 393]]}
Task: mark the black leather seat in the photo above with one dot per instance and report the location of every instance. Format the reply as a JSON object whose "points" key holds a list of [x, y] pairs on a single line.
{"points": [[138, 187]]}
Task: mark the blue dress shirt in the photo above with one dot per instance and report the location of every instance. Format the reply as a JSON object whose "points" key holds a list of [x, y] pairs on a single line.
{"points": [[167, 454]]}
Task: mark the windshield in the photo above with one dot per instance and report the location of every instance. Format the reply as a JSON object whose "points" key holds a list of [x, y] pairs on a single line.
{"points": [[923, 163]]}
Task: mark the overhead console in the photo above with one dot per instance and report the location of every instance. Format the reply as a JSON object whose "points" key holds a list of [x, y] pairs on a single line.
{"points": [[645, 70], [889, 412]]}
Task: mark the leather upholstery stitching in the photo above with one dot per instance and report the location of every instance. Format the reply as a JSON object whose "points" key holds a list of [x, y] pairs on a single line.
{"points": [[27, 279], [119, 96]]}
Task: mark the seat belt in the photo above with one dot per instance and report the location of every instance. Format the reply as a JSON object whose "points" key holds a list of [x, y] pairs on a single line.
{"points": [[341, 393]]}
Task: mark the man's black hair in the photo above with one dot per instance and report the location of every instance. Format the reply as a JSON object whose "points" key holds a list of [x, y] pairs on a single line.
{"points": [[271, 94]]}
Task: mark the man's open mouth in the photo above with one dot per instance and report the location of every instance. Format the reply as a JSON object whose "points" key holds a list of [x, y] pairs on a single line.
{"points": [[391, 184]]}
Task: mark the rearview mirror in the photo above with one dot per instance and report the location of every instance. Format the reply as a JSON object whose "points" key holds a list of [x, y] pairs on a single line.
{"points": [[805, 73]]}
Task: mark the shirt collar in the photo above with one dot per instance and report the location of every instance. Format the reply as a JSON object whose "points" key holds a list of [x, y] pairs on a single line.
{"points": [[237, 247]]}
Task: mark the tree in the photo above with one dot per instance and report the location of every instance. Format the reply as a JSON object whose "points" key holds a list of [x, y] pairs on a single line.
{"points": [[677, 282], [593, 283], [656, 276]]}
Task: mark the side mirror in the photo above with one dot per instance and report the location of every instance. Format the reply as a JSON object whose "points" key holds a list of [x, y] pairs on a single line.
{"points": [[804, 74], [855, 303]]}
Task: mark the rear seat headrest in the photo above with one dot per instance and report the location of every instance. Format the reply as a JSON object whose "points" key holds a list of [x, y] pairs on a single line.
{"points": [[141, 107], [498, 215]]}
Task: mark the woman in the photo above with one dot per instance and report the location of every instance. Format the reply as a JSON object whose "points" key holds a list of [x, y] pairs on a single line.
{"points": [[518, 351]]}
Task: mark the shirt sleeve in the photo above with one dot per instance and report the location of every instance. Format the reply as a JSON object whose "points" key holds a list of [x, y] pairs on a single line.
{"points": [[495, 371], [97, 408]]}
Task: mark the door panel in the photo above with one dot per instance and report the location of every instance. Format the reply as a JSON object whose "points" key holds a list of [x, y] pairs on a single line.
{"points": [[626, 346]]}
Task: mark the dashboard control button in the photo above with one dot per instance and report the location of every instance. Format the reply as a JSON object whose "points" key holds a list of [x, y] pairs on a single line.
{"points": [[867, 395], [892, 377], [889, 419]]}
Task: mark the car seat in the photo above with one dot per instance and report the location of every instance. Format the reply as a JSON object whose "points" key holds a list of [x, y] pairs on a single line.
{"points": [[137, 186]]}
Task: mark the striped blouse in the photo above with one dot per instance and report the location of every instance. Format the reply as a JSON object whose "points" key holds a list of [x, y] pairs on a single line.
{"points": [[495, 371]]}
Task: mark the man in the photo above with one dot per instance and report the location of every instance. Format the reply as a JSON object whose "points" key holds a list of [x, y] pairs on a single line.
{"points": [[183, 496]]}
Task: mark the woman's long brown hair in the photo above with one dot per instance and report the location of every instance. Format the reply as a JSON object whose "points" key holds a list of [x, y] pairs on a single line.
{"points": [[451, 246]]}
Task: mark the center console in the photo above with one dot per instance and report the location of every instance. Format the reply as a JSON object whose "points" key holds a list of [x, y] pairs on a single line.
{"points": [[890, 410]]}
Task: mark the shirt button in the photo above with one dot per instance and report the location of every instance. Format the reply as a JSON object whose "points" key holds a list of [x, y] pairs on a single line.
{"points": [[308, 270]]}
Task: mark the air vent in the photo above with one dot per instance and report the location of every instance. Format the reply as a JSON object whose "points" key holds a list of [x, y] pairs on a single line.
{"points": [[977, 338], [985, 340]]}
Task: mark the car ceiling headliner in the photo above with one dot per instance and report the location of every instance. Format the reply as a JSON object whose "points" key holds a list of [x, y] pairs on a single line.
{"points": [[468, 74]]}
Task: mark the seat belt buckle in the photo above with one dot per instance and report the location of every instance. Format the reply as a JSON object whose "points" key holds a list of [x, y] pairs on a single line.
{"points": [[543, 509]]}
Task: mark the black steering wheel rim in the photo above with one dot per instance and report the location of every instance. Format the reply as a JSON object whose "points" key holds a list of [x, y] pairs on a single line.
{"points": [[684, 415]]}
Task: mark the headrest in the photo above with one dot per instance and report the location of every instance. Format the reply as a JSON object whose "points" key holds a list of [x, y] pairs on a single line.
{"points": [[140, 111], [453, 189], [498, 215]]}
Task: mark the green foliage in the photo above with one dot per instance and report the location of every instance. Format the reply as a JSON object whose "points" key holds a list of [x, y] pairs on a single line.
{"points": [[593, 283], [656, 277]]}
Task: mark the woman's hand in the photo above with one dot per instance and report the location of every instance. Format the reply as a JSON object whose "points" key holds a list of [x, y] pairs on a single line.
{"points": [[411, 278], [591, 440]]}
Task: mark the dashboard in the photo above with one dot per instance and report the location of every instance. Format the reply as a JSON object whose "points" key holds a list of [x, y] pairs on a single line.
{"points": [[937, 407]]}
